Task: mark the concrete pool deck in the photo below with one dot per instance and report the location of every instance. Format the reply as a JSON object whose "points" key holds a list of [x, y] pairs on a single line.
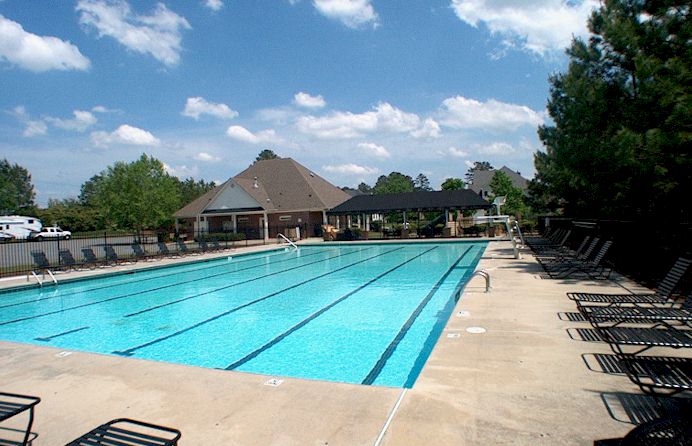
{"points": [[521, 382]]}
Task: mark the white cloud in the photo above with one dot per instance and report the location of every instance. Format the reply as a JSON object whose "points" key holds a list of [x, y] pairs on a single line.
{"points": [[496, 148], [102, 109], [31, 127], [375, 149], [538, 26], [352, 13], [34, 128], [469, 164], [214, 5], [277, 115], [350, 169], [194, 107], [429, 129], [125, 134], [82, 121], [302, 99], [158, 34], [384, 117], [182, 171], [38, 53], [461, 112], [242, 134], [458, 153], [207, 157]]}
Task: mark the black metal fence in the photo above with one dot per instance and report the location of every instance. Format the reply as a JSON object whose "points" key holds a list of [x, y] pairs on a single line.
{"points": [[642, 251], [18, 257]]}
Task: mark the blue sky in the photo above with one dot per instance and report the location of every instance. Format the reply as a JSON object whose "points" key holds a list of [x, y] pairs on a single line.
{"points": [[350, 88]]}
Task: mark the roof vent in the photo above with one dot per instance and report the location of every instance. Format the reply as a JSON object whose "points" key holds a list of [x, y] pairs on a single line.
{"points": [[255, 184], [312, 174]]}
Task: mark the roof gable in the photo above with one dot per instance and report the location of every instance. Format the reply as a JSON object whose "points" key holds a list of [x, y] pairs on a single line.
{"points": [[282, 184]]}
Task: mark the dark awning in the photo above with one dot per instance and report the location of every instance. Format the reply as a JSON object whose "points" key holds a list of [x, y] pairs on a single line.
{"points": [[411, 201]]}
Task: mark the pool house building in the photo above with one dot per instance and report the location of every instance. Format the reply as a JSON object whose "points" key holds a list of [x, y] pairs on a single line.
{"points": [[269, 197]]}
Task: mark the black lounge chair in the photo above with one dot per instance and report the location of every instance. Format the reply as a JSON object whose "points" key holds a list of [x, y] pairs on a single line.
{"points": [[111, 255], [183, 249], [164, 251], [559, 263], [67, 259], [663, 292], [658, 375], [593, 268], [140, 253], [203, 246], [598, 315], [90, 257], [670, 430], [559, 243], [128, 432], [662, 335], [12, 404], [40, 260]]}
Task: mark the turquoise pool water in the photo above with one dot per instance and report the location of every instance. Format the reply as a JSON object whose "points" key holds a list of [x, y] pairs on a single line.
{"points": [[361, 313]]}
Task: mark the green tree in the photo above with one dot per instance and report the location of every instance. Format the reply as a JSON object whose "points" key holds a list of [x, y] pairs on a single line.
{"points": [[453, 184], [16, 191], [365, 188], [191, 189], [69, 213], [501, 185], [618, 144], [266, 154], [477, 166], [138, 195], [421, 183], [393, 183]]}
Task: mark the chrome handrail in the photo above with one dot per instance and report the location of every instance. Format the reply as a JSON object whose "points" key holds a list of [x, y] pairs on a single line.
{"points": [[288, 241], [484, 274]]}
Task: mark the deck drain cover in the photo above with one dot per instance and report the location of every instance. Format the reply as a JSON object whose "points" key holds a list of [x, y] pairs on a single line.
{"points": [[274, 382], [463, 313], [63, 354], [453, 335], [475, 330]]}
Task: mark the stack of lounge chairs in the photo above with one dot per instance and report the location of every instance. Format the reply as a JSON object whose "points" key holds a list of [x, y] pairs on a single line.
{"points": [[118, 432], [650, 335]]}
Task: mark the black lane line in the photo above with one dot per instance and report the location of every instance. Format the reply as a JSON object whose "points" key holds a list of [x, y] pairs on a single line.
{"points": [[131, 350], [146, 291], [113, 285], [49, 338], [441, 323], [194, 296], [318, 313], [389, 351]]}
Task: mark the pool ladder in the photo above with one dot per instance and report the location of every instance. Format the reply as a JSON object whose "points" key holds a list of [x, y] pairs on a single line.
{"points": [[484, 274], [288, 241], [38, 279]]}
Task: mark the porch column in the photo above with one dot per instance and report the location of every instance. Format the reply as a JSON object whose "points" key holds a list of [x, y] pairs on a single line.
{"points": [[338, 222], [367, 222], [235, 223], [177, 226], [358, 221], [348, 221], [266, 226], [324, 218], [446, 216]]}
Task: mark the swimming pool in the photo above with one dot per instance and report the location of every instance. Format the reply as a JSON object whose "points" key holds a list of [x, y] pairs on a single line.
{"points": [[359, 313]]}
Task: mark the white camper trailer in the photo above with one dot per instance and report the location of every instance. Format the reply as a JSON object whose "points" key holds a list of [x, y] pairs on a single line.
{"points": [[18, 226]]}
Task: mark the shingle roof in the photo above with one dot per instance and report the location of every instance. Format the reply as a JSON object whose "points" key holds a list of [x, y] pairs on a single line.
{"points": [[445, 199], [196, 206], [482, 179], [278, 185]]}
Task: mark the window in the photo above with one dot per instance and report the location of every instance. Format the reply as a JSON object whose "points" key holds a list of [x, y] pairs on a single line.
{"points": [[285, 218], [243, 219]]}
